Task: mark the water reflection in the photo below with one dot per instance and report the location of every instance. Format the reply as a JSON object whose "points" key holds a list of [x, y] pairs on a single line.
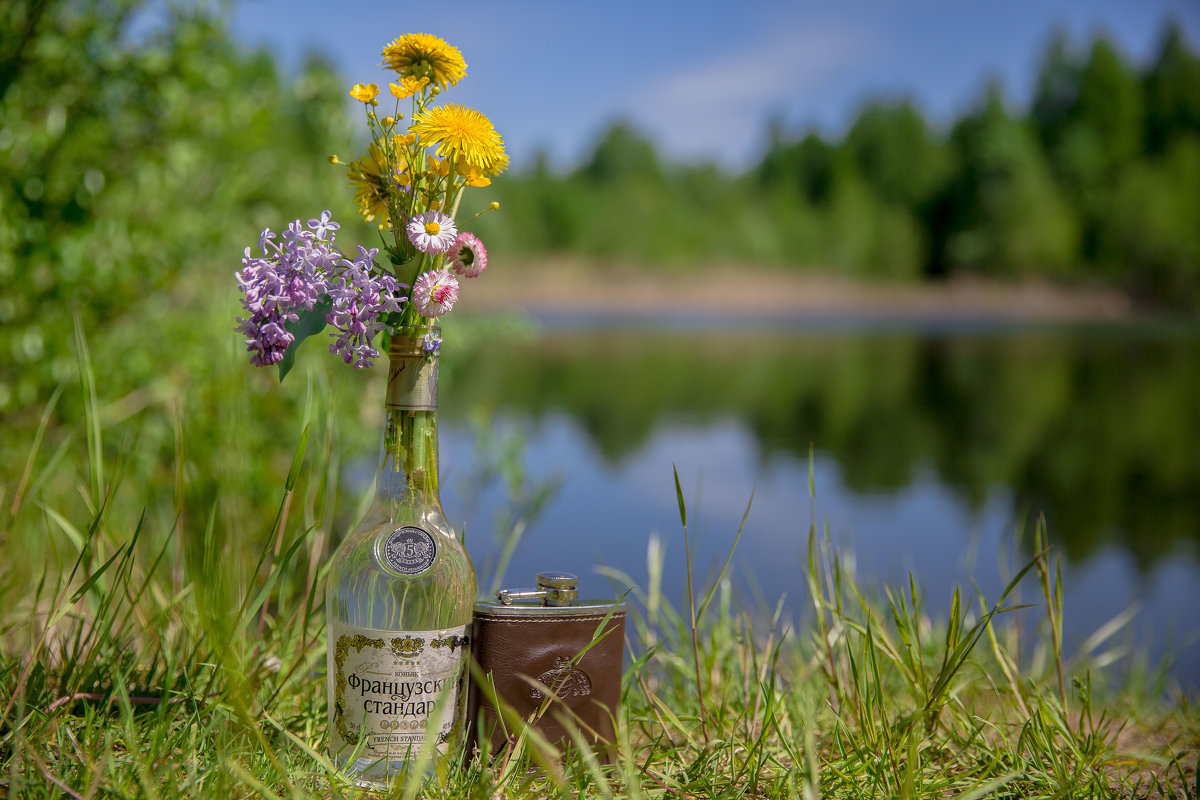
{"points": [[1098, 429]]}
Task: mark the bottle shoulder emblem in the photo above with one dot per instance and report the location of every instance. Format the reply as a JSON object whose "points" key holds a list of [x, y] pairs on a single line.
{"points": [[408, 550]]}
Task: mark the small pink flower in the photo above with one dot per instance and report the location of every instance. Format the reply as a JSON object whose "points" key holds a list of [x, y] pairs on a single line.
{"points": [[468, 256], [435, 292], [431, 232]]}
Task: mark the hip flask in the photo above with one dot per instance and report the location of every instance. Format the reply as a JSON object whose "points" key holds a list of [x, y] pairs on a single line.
{"points": [[528, 642]]}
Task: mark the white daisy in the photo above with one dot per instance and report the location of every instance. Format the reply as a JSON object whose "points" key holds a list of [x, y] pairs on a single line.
{"points": [[431, 232]]}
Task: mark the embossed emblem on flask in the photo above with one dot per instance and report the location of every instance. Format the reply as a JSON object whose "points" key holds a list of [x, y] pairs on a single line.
{"points": [[409, 550], [566, 679]]}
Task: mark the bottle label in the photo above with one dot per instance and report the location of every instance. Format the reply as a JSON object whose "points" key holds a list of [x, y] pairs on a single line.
{"points": [[390, 691], [409, 550]]}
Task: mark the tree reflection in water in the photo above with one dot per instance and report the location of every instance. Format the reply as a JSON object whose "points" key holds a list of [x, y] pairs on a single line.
{"points": [[1099, 429]]}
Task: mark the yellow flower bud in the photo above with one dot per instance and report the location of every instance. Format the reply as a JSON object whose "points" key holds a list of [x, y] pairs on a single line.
{"points": [[495, 206], [333, 159], [389, 122]]}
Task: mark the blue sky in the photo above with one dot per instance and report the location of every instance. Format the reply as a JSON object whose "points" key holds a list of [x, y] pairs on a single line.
{"points": [[702, 82]]}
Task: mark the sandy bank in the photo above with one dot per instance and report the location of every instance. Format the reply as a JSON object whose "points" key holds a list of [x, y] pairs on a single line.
{"points": [[571, 286]]}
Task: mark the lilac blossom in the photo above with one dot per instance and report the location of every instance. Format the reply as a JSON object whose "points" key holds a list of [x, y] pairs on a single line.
{"points": [[360, 304], [323, 225], [296, 273], [289, 276]]}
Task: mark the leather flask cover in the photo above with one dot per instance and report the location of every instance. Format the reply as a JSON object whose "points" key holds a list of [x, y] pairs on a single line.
{"points": [[514, 644]]}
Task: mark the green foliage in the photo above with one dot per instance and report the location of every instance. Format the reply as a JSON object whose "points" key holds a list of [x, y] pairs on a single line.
{"points": [[1172, 91], [897, 154], [1109, 109], [1006, 215], [130, 163], [1147, 229]]}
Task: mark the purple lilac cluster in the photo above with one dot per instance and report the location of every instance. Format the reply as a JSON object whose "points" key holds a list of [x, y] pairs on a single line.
{"points": [[293, 275], [360, 301], [288, 277]]}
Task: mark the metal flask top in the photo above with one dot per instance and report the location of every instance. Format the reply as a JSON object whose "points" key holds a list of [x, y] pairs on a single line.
{"points": [[556, 595]]}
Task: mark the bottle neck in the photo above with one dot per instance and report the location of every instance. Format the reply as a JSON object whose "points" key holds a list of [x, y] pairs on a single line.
{"points": [[408, 466]]}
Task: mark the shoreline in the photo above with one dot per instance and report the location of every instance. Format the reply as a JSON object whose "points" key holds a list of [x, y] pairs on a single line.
{"points": [[563, 286]]}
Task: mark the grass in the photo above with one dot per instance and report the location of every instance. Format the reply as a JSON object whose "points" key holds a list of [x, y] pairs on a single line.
{"points": [[147, 652]]}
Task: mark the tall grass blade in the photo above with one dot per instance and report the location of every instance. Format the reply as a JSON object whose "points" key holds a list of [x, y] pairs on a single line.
{"points": [[679, 498], [91, 413], [95, 577], [687, 550], [34, 448]]}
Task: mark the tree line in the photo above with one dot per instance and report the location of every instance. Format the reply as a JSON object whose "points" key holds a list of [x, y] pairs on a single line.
{"points": [[1098, 181]]}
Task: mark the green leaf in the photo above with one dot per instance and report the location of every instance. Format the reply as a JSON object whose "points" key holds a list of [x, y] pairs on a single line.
{"points": [[309, 323], [406, 272], [90, 582], [679, 495]]}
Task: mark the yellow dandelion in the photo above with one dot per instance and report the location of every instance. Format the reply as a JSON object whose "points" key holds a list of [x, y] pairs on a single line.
{"points": [[422, 55], [371, 190], [463, 132], [407, 87], [364, 92]]}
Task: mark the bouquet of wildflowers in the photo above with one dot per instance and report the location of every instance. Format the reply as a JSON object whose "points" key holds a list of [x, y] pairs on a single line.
{"points": [[420, 160]]}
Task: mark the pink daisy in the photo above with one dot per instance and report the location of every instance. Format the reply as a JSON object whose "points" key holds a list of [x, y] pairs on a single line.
{"points": [[435, 292], [468, 256], [431, 232]]}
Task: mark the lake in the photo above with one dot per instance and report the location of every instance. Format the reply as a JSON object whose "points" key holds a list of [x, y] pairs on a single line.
{"points": [[933, 444]]}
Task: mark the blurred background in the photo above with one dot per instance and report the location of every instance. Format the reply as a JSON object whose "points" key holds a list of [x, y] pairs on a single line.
{"points": [[946, 254]]}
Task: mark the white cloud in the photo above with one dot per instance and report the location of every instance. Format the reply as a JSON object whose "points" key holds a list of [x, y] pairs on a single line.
{"points": [[716, 108]]}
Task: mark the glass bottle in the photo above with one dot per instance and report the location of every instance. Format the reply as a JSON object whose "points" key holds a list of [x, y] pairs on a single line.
{"points": [[400, 593]]}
